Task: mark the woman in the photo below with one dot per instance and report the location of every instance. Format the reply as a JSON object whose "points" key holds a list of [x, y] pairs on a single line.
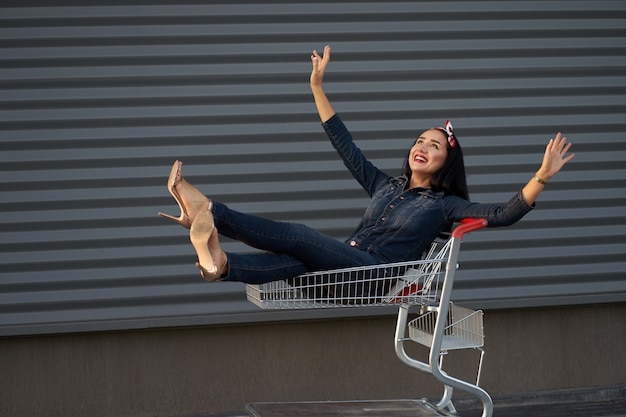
{"points": [[405, 213]]}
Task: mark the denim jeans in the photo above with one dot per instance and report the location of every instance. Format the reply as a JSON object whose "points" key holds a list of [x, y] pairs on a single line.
{"points": [[292, 248]]}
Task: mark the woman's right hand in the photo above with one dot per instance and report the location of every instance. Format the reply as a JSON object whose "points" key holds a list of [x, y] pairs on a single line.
{"points": [[324, 108], [319, 67]]}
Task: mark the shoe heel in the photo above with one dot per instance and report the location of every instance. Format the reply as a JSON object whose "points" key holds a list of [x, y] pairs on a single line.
{"points": [[182, 220]]}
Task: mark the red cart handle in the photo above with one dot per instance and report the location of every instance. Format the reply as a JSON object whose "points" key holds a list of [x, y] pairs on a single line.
{"points": [[468, 225]]}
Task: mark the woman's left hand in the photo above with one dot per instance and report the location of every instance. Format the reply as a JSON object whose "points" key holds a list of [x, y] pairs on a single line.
{"points": [[555, 157]]}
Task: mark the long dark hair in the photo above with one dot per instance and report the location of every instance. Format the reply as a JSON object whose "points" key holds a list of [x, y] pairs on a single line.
{"points": [[451, 178]]}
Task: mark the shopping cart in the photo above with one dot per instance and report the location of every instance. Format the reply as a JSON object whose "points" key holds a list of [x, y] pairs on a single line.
{"points": [[423, 286]]}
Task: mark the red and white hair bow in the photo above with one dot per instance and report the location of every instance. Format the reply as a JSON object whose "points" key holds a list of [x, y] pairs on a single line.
{"points": [[449, 131]]}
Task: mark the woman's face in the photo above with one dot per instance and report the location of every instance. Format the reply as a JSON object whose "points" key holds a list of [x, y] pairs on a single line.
{"points": [[428, 155]]}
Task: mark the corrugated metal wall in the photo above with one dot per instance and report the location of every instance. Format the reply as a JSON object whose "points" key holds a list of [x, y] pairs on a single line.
{"points": [[97, 101]]}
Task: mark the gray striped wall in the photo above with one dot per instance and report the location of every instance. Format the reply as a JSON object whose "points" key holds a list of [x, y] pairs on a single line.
{"points": [[98, 99]]}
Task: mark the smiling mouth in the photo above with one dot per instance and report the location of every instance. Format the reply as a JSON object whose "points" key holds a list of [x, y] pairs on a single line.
{"points": [[418, 158]]}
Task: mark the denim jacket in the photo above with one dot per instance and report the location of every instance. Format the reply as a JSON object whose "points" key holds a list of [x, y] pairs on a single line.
{"points": [[400, 223]]}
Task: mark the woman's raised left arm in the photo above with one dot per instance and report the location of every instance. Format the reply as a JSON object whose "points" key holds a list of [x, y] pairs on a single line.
{"points": [[553, 160]]}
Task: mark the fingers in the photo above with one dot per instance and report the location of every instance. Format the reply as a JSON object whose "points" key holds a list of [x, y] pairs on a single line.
{"points": [[319, 64], [565, 148], [327, 53], [558, 147], [560, 144], [316, 58], [568, 158]]}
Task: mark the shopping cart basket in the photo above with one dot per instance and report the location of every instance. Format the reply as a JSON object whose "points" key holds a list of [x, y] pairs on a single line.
{"points": [[426, 283]]}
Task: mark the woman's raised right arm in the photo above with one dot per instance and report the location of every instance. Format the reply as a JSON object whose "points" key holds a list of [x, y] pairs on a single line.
{"points": [[324, 108]]}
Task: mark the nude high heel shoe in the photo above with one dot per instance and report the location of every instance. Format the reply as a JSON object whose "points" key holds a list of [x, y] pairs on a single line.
{"points": [[211, 259], [190, 200]]}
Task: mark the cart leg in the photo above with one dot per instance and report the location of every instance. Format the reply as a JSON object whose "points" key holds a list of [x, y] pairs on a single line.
{"points": [[480, 366], [467, 387], [446, 400], [400, 337], [448, 391]]}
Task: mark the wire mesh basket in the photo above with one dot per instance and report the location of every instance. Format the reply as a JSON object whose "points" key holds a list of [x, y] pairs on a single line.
{"points": [[415, 282], [463, 330]]}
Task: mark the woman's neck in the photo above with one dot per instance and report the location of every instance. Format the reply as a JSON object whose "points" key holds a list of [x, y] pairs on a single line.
{"points": [[416, 182]]}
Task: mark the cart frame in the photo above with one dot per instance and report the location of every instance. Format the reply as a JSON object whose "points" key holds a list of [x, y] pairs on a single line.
{"points": [[424, 285]]}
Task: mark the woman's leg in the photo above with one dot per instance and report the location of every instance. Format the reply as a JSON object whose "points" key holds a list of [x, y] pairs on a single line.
{"points": [[259, 268], [295, 248]]}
